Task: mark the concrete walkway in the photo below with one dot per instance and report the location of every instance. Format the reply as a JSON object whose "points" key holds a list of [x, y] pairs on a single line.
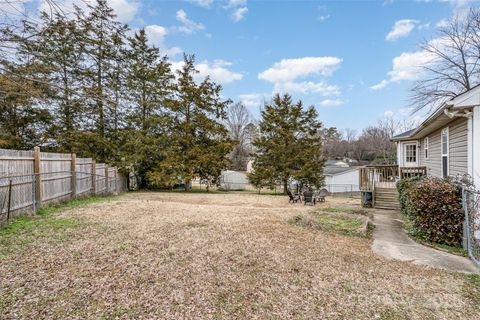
{"points": [[391, 241]]}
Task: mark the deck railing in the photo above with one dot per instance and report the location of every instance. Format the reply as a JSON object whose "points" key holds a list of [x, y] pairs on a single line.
{"points": [[386, 175], [410, 172]]}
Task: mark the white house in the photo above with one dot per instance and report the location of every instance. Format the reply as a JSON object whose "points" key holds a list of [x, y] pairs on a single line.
{"points": [[448, 142], [341, 179]]}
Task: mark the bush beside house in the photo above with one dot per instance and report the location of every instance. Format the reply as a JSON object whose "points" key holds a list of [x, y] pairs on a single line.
{"points": [[433, 208]]}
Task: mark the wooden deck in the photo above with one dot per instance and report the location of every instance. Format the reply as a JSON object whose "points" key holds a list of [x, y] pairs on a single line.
{"points": [[376, 181]]}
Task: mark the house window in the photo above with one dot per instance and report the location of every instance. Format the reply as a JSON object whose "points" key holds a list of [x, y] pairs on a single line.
{"points": [[445, 152], [411, 153], [425, 147]]}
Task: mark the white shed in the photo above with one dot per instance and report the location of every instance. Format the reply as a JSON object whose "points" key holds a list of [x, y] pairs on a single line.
{"points": [[233, 180], [341, 179]]}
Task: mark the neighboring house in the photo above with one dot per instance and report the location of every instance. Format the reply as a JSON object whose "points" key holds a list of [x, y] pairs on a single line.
{"points": [[233, 180], [341, 179], [448, 142]]}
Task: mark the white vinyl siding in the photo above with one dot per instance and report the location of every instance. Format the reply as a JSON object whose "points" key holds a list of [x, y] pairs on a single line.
{"points": [[458, 151], [458, 154]]}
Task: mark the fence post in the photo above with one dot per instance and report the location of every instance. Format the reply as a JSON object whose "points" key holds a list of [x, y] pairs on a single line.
{"points": [[116, 177], [107, 184], [9, 199], [73, 172], [94, 178], [38, 178]]}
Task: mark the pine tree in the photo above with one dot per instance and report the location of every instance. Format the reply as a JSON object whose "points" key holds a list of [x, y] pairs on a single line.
{"points": [[102, 34], [58, 49], [289, 145], [148, 83], [23, 122], [198, 141]]}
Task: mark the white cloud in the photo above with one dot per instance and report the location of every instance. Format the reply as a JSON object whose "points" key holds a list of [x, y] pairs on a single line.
{"points": [[156, 35], [388, 114], [239, 14], [202, 3], [236, 3], [458, 3], [442, 23], [306, 87], [382, 84], [332, 102], [188, 26], [253, 100], [323, 17], [400, 29], [298, 76], [13, 9], [291, 69], [218, 71], [126, 10], [407, 66]]}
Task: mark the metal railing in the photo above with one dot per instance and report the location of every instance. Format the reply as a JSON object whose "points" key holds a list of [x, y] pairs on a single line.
{"points": [[471, 206]]}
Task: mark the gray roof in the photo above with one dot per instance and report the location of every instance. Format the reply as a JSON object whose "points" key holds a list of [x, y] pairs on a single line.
{"points": [[336, 163], [404, 134], [336, 170]]}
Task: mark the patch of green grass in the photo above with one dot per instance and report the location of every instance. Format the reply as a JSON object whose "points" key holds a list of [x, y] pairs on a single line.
{"points": [[344, 210], [48, 210], [339, 224], [23, 231], [336, 224]]}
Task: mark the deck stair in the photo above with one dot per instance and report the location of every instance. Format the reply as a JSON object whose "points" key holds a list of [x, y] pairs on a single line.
{"points": [[386, 198]]}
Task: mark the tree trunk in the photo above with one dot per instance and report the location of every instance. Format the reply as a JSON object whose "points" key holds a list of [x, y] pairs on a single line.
{"points": [[188, 185], [285, 186]]}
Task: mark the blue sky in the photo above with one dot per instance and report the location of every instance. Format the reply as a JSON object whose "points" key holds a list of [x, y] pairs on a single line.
{"points": [[354, 60]]}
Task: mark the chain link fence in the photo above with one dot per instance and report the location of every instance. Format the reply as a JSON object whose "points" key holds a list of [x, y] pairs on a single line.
{"points": [[19, 193], [16, 193], [471, 206], [345, 190]]}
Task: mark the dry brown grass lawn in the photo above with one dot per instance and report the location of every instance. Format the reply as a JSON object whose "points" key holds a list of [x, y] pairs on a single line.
{"points": [[173, 256]]}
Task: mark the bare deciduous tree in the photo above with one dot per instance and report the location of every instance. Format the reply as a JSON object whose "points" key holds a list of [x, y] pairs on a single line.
{"points": [[237, 122], [452, 62]]}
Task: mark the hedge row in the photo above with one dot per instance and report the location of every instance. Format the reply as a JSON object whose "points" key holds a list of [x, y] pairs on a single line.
{"points": [[433, 208]]}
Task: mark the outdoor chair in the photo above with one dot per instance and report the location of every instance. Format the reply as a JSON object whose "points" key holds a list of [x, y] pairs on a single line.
{"points": [[322, 194], [308, 197], [293, 198]]}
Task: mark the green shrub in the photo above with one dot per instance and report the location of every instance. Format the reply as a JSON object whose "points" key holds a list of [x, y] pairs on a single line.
{"points": [[434, 209]]}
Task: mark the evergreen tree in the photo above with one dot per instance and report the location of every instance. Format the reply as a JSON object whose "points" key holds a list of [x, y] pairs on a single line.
{"points": [[23, 122], [58, 49], [198, 143], [102, 35], [148, 83], [289, 145]]}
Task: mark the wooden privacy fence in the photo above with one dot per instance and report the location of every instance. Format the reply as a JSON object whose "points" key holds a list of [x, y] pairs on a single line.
{"points": [[30, 179]]}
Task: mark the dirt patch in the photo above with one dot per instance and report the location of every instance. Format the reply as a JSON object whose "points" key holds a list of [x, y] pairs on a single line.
{"points": [[171, 255]]}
